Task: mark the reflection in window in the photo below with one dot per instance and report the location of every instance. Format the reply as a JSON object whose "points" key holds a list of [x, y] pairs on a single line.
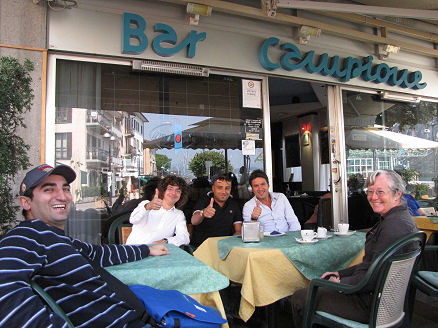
{"points": [[392, 135], [130, 126], [63, 115], [63, 145]]}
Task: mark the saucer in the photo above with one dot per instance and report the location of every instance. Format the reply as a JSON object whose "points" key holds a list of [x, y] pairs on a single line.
{"points": [[301, 241], [349, 233], [326, 237]]}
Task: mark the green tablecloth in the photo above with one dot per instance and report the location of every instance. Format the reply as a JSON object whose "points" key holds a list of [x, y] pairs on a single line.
{"points": [[312, 260], [178, 270]]}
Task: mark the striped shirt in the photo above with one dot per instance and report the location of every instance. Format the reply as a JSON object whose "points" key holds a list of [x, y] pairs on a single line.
{"points": [[36, 251]]}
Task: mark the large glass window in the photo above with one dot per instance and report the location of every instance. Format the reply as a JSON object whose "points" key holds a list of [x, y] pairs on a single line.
{"points": [[130, 126], [401, 136]]}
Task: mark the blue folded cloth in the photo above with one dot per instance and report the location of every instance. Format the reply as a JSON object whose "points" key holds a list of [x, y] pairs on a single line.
{"points": [[273, 233]]}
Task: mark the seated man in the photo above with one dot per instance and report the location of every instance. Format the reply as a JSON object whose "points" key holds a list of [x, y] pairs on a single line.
{"points": [[216, 214], [38, 250], [160, 220], [271, 209]]}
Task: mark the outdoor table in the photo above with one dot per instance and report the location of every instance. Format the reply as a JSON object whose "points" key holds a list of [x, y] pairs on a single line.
{"points": [[176, 271], [277, 266], [425, 224]]}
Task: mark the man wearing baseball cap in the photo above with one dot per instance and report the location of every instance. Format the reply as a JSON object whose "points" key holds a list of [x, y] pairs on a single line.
{"points": [[67, 269]]}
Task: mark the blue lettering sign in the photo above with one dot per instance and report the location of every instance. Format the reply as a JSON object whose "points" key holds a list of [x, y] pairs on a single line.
{"points": [[169, 36], [134, 28], [263, 54], [136, 33], [351, 67]]}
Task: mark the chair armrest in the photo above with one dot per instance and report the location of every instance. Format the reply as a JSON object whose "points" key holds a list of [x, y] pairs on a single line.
{"points": [[313, 289], [332, 285], [50, 302]]}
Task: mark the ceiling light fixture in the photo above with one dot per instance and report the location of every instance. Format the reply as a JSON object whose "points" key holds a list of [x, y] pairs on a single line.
{"points": [[389, 48], [195, 10], [305, 32]]}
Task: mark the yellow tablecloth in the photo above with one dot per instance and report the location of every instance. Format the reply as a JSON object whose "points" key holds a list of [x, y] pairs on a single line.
{"points": [[425, 224], [266, 275]]}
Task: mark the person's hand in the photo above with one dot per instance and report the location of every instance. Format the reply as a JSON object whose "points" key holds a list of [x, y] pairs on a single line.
{"points": [[331, 276], [256, 211], [158, 250], [155, 203], [209, 211]]}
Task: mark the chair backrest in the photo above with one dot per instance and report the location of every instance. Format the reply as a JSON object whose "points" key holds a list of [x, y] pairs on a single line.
{"points": [[50, 302], [124, 232], [393, 271], [122, 219], [324, 218]]}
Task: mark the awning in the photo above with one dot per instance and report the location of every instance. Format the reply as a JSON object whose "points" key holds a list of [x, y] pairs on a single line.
{"points": [[372, 138], [212, 133]]}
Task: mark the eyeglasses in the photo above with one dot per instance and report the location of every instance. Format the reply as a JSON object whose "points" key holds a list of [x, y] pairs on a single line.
{"points": [[379, 193]]}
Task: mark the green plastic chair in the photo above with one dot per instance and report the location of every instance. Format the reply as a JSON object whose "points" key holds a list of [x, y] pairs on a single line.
{"points": [[427, 281], [389, 275], [50, 302], [116, 225]]}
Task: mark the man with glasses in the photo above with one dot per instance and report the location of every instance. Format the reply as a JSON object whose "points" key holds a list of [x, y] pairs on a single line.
{"points": [[385, 195]]}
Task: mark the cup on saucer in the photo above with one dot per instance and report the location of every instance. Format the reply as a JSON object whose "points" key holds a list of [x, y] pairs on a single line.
{"points": [[307, 235], [321, 232], [343, 228]]}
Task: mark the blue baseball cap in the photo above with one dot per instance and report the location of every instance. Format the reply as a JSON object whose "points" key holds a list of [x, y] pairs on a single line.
{"points": [[35, 176]]}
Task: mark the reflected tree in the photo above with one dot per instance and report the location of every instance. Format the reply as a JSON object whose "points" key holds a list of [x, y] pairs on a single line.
{"points": [[162, 162], [197, 164], [407, 115]]}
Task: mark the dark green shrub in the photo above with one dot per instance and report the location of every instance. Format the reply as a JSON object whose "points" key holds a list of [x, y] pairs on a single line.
{"points": [[16, 96]]}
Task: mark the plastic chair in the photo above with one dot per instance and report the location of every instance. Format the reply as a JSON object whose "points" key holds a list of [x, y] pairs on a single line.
{"points": [[324, 218], [427, 281], [389, 277], [115, 227], [50, 302]]}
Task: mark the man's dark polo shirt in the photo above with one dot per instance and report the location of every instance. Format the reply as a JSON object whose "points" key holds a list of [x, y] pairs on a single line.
{"points": [[221, 224]]}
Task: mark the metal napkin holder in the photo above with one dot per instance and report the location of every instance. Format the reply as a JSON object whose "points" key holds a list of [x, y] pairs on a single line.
{"points": [[251, 232]]}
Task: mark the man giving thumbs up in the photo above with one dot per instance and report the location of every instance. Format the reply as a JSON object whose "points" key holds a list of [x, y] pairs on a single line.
{"points": [[217, 214], [271, 209], [161, 221]]}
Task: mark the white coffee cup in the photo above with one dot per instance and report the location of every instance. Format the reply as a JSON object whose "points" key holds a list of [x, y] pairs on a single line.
{"points": [[343, 228], [307, 235], [321, 232]]}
